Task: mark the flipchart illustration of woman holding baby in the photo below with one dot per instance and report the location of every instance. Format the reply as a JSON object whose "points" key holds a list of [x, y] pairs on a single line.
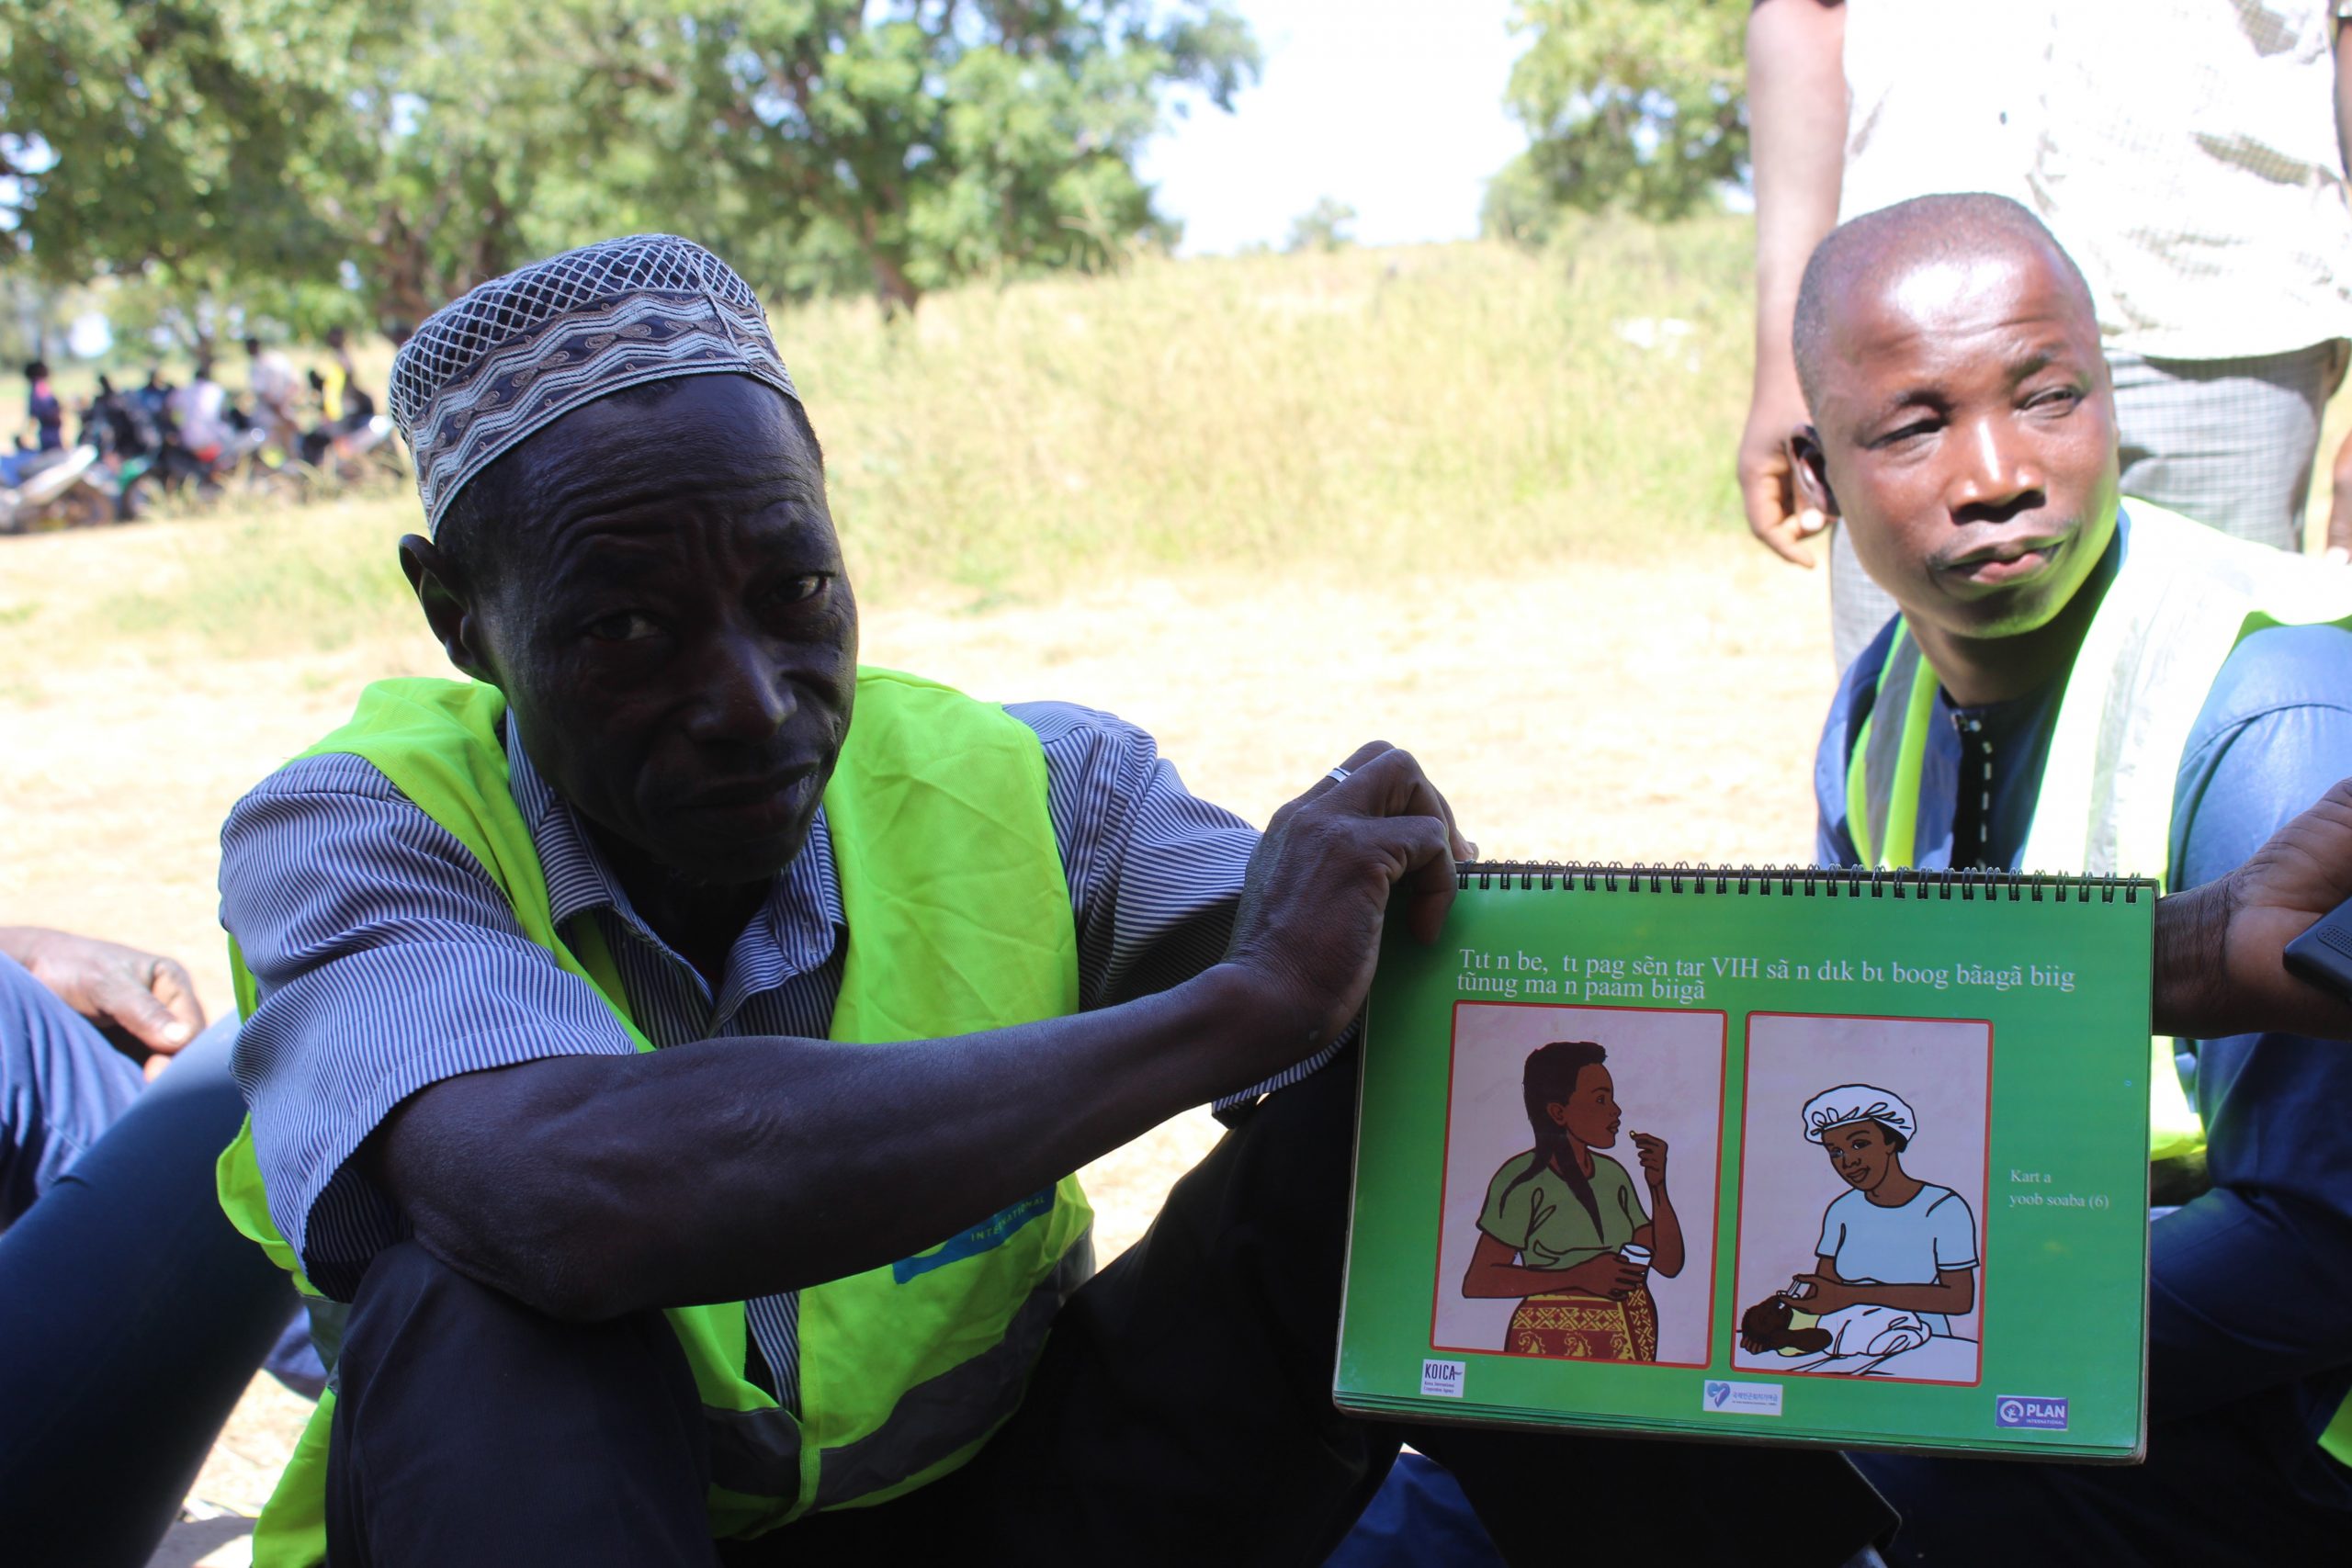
{"points": [[1897, 1258], [1565, 1228]]}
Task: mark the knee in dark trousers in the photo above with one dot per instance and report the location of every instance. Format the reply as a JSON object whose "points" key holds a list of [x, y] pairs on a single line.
{"points": [[2231, 1487], [1181, 1411], [471, 1428]]}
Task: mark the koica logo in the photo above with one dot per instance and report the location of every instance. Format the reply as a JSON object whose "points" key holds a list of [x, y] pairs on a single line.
{"points": [[2031, 1415], [1715, 1396], [1442, 1379]]}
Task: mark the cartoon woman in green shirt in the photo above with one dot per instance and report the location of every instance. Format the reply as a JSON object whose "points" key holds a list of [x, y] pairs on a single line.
{"points": [[1565, 1228]]}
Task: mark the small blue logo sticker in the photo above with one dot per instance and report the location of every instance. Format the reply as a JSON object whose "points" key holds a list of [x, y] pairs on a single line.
{"points": [[986, 1236], [1725, 1397], [2031, 1415]]}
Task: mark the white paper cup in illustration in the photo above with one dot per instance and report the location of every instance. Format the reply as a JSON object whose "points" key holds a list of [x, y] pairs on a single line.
{"points": [[1635, 1254]]}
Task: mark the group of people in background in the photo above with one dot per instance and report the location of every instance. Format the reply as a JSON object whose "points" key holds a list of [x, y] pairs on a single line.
{"points": [[193, 432]]}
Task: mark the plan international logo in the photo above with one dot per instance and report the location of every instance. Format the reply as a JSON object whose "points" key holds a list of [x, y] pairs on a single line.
{"points": [[2032, 1415]]}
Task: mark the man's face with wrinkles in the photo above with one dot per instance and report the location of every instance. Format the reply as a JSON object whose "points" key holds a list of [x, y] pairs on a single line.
{"points": [[671, 625], [1966, 431]]}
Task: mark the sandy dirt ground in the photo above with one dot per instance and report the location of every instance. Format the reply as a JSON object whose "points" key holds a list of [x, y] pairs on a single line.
{"points": [[1603, 710]]}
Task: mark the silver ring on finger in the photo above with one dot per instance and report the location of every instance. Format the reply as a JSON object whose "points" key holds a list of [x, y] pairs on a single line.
{"points": [[1338, 775]]}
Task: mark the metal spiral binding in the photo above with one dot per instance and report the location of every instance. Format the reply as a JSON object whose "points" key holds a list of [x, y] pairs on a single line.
{"points": [[1968, 883]]}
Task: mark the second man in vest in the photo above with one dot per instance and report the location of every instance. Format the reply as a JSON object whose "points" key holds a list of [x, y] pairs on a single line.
{"points": [[2084, 684]]}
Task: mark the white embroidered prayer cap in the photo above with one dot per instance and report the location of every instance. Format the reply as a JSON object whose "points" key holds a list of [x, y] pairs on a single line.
{"points": [[1857, 1102], [518, 353]]}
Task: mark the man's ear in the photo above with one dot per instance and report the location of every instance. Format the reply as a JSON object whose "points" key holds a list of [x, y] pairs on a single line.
{"points": [[1812, 473], [449, 604]]}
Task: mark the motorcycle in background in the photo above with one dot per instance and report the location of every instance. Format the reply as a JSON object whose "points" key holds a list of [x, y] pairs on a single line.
{"points": [[67, 488], [355, 452]]}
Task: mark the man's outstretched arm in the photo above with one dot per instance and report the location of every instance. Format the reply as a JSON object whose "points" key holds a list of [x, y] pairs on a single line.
{"points": [[1796, 118], [590, 1186]]}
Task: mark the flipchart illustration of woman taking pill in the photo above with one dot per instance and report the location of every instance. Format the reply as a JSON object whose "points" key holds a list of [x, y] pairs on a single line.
{"points": [[1567, 1229]]}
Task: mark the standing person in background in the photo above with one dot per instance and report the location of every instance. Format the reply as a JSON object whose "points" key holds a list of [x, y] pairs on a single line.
{"points": [[201, 411], [2189, 155], [42, 407], [273, 384], [154, 400], [342, 400], [117, 425]]}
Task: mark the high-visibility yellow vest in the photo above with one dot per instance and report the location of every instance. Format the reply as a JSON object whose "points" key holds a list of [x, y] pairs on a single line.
{"points": [[2183, 598], [959, 920]]}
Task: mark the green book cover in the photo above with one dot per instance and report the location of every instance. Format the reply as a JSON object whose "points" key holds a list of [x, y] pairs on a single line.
{"points": [[1793, 1157]]}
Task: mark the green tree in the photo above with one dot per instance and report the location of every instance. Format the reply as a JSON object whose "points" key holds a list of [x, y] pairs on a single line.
{"points": [[331, 158], [1329, 225], [913, 144], [1632, 104], [1518, 205], [137, 133]]}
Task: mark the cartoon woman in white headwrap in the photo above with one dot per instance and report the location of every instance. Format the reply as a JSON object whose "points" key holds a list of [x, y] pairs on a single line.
{"points": [[1898, 1255]]}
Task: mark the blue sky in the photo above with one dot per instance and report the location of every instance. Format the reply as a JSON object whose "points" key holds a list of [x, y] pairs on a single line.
{"points": [[1394, 106]]}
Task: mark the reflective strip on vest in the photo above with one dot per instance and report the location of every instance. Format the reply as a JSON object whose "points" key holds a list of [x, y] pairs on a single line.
{"points": [[758, 1451], [933, 1420], [1885, 774]]}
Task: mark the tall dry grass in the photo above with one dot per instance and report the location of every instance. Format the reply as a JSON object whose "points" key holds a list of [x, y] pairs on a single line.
{"points": [[1430, 409], [1436, 410]]}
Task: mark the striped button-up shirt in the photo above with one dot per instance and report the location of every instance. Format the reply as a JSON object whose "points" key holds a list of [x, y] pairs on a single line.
{"points": [[386, 959]]}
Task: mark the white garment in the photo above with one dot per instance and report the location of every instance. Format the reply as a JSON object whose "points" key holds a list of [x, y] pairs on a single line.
{"points": [[1940, 98], [273, 380], [1870, 1330], [2184, 152], [1912, 1244], [201, 409]]}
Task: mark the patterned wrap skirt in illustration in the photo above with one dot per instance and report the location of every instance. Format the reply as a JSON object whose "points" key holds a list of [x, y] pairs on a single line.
{"points": [[1586, 1327]]}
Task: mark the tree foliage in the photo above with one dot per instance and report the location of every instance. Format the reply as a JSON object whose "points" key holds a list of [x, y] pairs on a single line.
{"points": [[374, 158], [171, 134], [1632, 104], [933, 142], [1329, 225]]}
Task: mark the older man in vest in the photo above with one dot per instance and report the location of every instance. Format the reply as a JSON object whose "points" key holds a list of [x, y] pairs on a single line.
{"points": [[667, 1085], [2083, 684]]}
